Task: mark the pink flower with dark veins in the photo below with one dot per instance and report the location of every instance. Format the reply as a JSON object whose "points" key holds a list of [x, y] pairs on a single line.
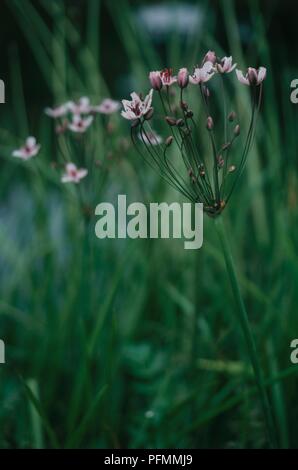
{"points": [[203, 74], [79, 124], [226, 65], [155, 80], [80, 107], [57, 112], [107, 106], [167, 78], [253, 76], [29, 150], [73, 174], [136, 108]]}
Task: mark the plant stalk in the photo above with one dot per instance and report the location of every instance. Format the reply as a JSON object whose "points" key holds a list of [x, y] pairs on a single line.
{"points": [[244, 322]]}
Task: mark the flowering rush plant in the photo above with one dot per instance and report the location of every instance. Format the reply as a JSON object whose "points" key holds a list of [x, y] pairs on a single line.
{"points": [[210, 174], [73, 120]]}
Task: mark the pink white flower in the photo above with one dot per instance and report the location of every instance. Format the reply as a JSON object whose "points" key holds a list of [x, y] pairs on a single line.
{"points": [[183, 77], [167, 77], [253, 76], [203, 74], [57, 112], [107, 106], [226, 65], [155, 80], [210, 57], [136, 108], [73, 174], [80, 107], [150, 138], [79, 124], [29, 150]]}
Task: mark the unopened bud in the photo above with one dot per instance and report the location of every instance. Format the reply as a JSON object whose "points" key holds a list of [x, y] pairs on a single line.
{"points": [[183, 105], [189, 114], [206, 91], [202, 171], [182, 78], [149, 114], [232, 116], [180, 122], [231, 169], [237, 130], [169, 140], [209, 123], [171, 121], [225, 146], [155, 80], [220, 161]]}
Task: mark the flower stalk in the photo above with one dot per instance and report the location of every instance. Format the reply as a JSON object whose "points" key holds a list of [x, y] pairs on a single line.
{"points": [[249, 339]]}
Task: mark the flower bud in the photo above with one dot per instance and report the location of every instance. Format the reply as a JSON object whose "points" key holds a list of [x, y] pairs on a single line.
{"points": [[209, 123], [206, 91], [183, 105], [189, 114], [149, 114], [171, 121], [237, 130], [169, 140], [180, 122], [210, 57], [231, 169], [182, 78], [232, 116], [226, 146], [220, 161], [155, 80]]}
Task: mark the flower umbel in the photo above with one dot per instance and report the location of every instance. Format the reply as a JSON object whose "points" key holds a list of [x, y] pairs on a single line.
{"points": [[210, 172]]}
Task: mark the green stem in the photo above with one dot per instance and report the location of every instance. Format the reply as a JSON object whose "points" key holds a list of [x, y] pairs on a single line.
{"points": [[250, 343]]}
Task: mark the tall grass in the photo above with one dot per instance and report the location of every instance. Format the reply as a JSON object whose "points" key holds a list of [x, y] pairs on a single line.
{"points": [[123, 343]]}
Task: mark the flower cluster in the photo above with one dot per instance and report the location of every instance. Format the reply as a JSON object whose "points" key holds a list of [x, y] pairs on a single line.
{"points": [[207, 179], [72, 117]]}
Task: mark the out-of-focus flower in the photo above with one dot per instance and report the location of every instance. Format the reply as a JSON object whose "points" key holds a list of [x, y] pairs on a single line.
{"points": [[57, 112], [73, 174], [183, 77], [203, 74], [136, 108], [226, 65], [80, 107], [210, 57], [107, 106], [155, 80], [209, 123], [79, 124], [29, 150], [150, 138], [253, 76], [167, 77]]}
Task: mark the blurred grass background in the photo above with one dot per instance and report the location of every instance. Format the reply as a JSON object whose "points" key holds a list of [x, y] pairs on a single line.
{"points": [[132, 343]]}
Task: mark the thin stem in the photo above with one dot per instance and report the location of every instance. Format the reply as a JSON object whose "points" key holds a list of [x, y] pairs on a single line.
{"points": [[250, 343]]}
